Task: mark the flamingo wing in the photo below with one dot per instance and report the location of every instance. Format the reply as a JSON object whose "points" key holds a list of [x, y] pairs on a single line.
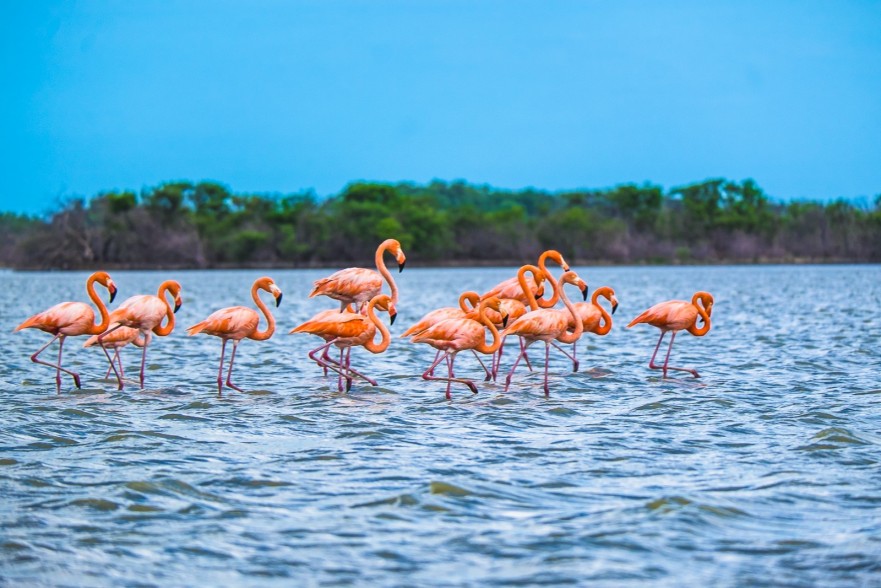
{"points": [[540, 324], [349, 284], [234, 322], [432, 318], [454, 333], [672, 315], [117, 338], [67, 318]]}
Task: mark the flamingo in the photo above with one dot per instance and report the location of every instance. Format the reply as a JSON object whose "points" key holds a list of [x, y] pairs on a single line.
{"points": [[237, 323], [557, 258], [457, 334], [447, 312], [346, 330], [547, 324], [71, 319], [594, 318], [117, 340], [676, 315], [357, 285], [144, 313]]}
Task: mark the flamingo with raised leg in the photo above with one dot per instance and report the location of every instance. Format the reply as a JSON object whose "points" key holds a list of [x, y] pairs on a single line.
{"points": [[144, 313], [458, 334], [675, 316], [71, 319], [239, 322], [356, 285], [346, 330], [547, 324], [116, 340]]}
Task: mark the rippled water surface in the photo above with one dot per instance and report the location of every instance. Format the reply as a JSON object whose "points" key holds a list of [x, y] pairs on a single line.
{"points": [[764, 471]]}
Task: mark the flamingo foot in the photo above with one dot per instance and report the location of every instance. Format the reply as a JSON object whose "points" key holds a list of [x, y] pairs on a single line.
{"points": [[234, 387], [471, 385], [507, 382], [547, 391], [348, 384]]}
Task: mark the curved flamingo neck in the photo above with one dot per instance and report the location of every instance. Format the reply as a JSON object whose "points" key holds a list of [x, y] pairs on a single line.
{"points": [[702, 313], [527, 291], [556, 257], [568, 337], [102, 308], [270, 320], [387, 275], [386, 335], [606, 321], [169, 310], [496, 338]]}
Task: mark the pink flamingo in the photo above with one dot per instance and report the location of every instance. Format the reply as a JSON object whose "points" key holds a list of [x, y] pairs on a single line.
{"points": [[448, 312], [71, 319], [676, 315], [457, 334], [594, 318], [357, 285], [237, 323], [547, 324], [116, 341], [556, 257], [346, 330], [144, 313], [514, 306]]}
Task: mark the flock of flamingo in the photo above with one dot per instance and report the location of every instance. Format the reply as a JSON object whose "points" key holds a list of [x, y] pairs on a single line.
{"points": [[515, 307]]}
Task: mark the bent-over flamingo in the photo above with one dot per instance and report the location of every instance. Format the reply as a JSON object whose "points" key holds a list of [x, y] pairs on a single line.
{"points": [[237, 323], [594, 318], [71, 319], [116, 340], [457, 334], [556, 257], [356, 285], [676, 315], [346, 330], [547, 324], [144, 313]]}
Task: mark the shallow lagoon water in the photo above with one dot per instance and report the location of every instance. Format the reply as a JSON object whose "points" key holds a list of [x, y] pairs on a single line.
{"points": [[765, 471]]}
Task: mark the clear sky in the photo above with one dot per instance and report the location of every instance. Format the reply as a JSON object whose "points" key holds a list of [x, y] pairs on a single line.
{"points": [[282, 96]]}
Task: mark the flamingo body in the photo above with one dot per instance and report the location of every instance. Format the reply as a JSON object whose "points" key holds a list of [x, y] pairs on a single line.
{"points": [[357, 285], [675, 316]]}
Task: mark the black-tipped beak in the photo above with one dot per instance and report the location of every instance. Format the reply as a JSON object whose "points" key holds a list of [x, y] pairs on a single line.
{"points": [[401, 266], [505, 321], [112, 293], [614, 307], [584, 293], [278, 299], [176, 306], [392, 317]]}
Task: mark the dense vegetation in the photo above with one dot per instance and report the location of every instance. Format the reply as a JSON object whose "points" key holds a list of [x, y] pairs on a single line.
{"points": [[182, 224]]}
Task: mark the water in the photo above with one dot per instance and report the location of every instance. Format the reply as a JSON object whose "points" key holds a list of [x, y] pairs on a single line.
{"points": [[763, 472]]}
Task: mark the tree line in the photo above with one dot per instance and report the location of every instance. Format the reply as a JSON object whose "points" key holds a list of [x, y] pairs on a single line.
{"points": [[205, 225]]}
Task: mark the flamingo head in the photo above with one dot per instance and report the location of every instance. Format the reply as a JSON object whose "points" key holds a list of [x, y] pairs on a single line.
{"points": [[706, 301], [571, 277], [269, 285], [608, 294], [384, 303], [495, 303], [399, 257], [174, 288], [554, 256], [103, 278]]}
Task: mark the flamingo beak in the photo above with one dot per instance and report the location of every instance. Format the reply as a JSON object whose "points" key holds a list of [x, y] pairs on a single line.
{"points": [[177, 304], [505, 321], [401, 265], [278, 299], [392, 317], [614, 306], [584, 292], [112, 288]]}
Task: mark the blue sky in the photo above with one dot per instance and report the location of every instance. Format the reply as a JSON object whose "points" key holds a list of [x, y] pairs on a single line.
{"points": [[275, 96]]}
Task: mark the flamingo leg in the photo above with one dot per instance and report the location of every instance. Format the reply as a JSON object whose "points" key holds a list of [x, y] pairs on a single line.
{"points": [[489, 374], [547, 360], [652, 364], [109, 359], [668, 367], [232, 358], [220, 369], [147, 337], [497, 359], [566, 353], [119, 362], [313, 355], [523, 347], [436, 357], [516, 363], [58, 369], [339, 379], [356, 372], [427, 375]]}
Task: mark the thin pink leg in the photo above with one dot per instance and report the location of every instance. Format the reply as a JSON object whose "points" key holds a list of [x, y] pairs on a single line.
{"points": [[652, 364], [232, 358], [523, 347], [119, 380], [668, 367], [35, 358], [547, 360], [489, 374], [516, 363], [220, 369], [436, 357], [147, 337], [355, 372], [566, 353], [427, 375]]}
